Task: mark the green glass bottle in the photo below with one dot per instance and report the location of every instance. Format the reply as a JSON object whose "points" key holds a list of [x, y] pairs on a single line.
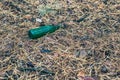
{"points": [[41, 31]]}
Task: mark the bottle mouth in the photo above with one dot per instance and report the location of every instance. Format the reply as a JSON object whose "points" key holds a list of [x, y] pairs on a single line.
{"points": [[58, 25]]}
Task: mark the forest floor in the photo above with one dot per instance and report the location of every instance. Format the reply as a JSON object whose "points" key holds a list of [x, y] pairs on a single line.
{"points": [[86, 47]]}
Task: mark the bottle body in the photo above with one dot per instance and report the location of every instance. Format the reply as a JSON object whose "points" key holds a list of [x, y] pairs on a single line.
{"points": [[41, 31]]}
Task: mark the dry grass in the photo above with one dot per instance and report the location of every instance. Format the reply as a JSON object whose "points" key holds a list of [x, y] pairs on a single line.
{"points": [[78, 49]]}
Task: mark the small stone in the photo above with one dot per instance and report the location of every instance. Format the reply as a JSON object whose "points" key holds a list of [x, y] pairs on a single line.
{"points": [[118, 73], [107, 53], [97, 20], [83, 45], [85, 10], [85, 37], [107, 31], [38, 20], [15, 76], [81, 53], [65, 26], [62, 33], [98, 33], [13, 59], [22, 63], [32, 19], [104, 69], [30, 64], [20, 45], [76, 37], [118, 7], [105, 1], [69, 11], [43, 50], [111, 46], [7, 53], [90, 52], [42, 24], [9, 72], [36, 3]]}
